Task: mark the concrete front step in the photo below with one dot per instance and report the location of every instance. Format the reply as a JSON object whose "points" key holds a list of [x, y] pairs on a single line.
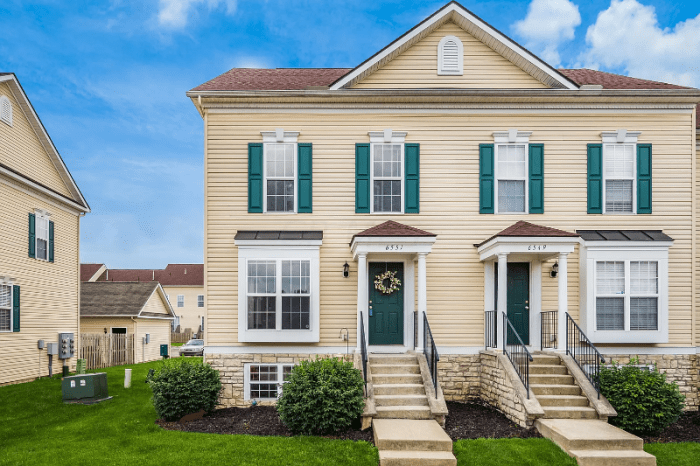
{"points": [[569, 412], [554, 389], [416, 458], [401, 400], [393, 359], [403, 412], [398, 389], [378, 379], [410, 435], [394, 368], [562, 400], [613, 458], [551, 379], [588, 435], [555, 369], [538, 359]]}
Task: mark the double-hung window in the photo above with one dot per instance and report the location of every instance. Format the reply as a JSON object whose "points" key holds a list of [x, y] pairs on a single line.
{"points": [[387, 178], [5, 308], [200, 300], [265, 381], [181, 300], [511, 178], [42, 236], [627, 295], [280, 177], [619, 172], [278, 289]]}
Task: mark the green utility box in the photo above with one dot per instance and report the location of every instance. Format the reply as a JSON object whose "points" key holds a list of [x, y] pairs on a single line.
{"points": [[80, 366], [85, 387], [164, 350]]}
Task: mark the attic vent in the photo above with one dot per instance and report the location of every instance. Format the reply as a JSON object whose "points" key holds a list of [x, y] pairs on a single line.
{"points": [[5, 110], [450, 56]]}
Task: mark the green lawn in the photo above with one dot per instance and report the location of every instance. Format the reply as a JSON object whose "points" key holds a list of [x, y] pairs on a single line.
{"points": [[36, 428], [176, 344], [510, 452], [676, 454]]}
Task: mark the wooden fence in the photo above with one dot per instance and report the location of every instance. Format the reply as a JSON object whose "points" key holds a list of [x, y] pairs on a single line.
{"points": [[182, 337], [106, 350]]}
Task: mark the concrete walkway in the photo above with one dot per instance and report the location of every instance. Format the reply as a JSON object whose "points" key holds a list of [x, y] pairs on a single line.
{"points": [[596, 443], [407, 442]]}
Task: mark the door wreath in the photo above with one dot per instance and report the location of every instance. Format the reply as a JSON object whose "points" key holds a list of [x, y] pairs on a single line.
{"points": [[394, 283]]}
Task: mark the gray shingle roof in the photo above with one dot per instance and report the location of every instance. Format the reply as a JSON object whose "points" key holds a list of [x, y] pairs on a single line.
{"points": [[623, 235], [278, 235], [114, 298]]}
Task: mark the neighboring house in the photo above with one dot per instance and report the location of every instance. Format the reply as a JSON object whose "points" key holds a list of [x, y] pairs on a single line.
{"points": [[39, 240], [132, 308], [479, 176], [183, 285]]}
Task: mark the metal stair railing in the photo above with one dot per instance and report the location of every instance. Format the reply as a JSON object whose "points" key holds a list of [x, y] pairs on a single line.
{"points": [[548, 329], [363, 349], [517, 353], [490, 329], [586, 355], [431, 352]]}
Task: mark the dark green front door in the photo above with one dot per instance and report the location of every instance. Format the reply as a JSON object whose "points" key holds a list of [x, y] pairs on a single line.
{"points": [[519, 299], [385, 310]]}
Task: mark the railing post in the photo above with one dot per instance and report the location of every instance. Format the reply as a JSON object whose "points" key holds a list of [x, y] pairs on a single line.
{"points": [[502, 299], [362, 290], [563, 294]]}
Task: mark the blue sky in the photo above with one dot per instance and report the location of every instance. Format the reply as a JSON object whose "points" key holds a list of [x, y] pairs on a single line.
{"points": [[108, 80]]}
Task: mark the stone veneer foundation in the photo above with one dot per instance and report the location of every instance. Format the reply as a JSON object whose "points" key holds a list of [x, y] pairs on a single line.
{"points": [[462, 377]]}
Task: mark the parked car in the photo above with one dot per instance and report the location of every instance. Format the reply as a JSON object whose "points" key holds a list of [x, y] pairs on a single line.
{"points": [[192, 348]]}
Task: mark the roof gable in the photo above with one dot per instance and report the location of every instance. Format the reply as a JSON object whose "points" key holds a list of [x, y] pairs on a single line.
{"points": [[46, 169], [392, 228], [474, 26]]}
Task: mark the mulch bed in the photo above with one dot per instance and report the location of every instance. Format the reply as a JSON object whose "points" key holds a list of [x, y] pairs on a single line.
{"points": [[465, 421], [686, 429]]}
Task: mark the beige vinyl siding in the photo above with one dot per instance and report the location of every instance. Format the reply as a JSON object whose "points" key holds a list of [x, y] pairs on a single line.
{"points": [[190, 314], [49, 291], [21, 150], [159, 329], [417, 67], [156, 305], [98, 324], [449, 193]]}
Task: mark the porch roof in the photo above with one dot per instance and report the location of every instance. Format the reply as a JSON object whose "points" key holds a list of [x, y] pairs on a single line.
{"points": [[278, 235], [392, 228], [527, 229], [624, 235]]}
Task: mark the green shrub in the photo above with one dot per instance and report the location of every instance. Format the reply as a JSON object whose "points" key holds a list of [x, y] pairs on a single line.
{"points": [[323, 396], [645, 403], [183, 386]]}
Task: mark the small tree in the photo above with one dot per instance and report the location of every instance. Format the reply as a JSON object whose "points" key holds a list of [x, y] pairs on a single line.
{"points": [[183, 386], [323, 396], [644, 401]]}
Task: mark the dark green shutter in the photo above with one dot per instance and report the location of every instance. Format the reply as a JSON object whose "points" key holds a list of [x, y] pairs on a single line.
{"points": [[305, 166], [595, 178], [255, 177], [32, 236], [486, 181], [50, 241], [536, 169], [15, 308], [362, 178], [643, 178], [412, 191]]}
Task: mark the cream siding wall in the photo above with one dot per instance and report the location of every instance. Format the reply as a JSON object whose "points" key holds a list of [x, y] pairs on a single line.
{"points": [[159, 329], [156, 305], [49, 291], [417, 67], [21, 150], [98, 324], [449, 192], [190, 314]]}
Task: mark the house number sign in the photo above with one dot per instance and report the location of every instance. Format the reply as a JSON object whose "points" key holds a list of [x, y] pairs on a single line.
{"points": [[394, 247], [536, 247]]}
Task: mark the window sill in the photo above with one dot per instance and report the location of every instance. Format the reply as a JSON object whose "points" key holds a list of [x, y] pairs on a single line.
{"points": [[628, 337], [278, 336]]}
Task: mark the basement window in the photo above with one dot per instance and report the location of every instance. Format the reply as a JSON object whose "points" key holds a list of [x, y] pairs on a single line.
{"points": [[265, 381]]}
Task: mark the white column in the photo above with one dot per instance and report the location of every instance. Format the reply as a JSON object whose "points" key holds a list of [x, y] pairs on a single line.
{"points": [[563, 301], [422, 298], [502, 301], [361, 295]]}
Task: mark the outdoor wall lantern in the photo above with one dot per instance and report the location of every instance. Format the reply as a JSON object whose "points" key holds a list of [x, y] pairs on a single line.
{"points": [[555, 270], [346, 270], [105, 329]]}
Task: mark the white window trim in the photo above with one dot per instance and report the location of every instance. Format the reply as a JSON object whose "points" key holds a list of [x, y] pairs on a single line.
{"points": [[8, 282], [441, 57], [279, 250], [387, 137], [279, 383], [280, 136], [181, 300], [40, 214], [622, 137], [126, 330], [511, 137], [200, 299], [623, 251]]}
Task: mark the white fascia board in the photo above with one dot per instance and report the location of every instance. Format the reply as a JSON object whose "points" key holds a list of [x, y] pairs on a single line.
{"points": [[156, 318], [454, 8], [46, 140], [627, 245], [97, 274], [63, 200]]}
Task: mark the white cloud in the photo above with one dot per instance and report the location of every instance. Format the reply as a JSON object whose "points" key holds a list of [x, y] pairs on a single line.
{"points": [[627, 35], [175, 13], [547, 25]]}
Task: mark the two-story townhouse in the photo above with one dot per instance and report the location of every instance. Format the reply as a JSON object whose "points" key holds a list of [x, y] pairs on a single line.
{"points": [[39, 241], [449, 181], [182, 283]]}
